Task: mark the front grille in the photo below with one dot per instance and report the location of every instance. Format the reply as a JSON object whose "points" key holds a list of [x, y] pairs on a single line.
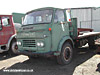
{"points": [[29, 43]]}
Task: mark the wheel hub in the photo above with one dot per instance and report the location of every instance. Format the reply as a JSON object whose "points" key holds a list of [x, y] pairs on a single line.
{"points": [[67, 53]]}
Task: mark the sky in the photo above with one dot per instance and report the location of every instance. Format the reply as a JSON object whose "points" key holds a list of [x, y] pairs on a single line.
{"points": [[23, 6]]}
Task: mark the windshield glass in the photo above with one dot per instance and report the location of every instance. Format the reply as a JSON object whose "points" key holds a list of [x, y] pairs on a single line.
{"points": [[38, 17]]}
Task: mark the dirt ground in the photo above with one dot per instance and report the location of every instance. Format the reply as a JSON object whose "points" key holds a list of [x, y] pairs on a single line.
{"points": [[85, 62]]}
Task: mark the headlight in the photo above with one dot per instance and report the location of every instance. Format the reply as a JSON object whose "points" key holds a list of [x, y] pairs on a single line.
{"points": [[18, 43], [41, 44], [38, 44]]}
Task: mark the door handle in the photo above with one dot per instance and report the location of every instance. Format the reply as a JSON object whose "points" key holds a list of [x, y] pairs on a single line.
{"points": [[62, 22]]}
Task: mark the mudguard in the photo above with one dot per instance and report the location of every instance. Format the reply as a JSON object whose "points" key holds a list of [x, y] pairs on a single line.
{"points": [[8, 45], [65, 38]]}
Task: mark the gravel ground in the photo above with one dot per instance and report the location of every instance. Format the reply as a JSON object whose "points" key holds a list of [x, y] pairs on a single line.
{"points": [[85, 62]]}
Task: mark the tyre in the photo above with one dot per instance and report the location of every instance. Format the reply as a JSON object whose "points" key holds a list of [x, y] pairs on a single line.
{"points": [[66, 54], [91, 44], [13, 48], [92, 47]]}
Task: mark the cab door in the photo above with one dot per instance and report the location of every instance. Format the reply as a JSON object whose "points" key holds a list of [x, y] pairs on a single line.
{"points": [[60, 28], [7, 29]]}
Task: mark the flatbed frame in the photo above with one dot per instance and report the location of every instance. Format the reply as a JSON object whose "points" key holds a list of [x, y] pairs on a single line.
{"points": [[87, 34]]}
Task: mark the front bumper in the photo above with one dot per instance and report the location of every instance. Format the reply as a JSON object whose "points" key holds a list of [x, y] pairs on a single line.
{"points": [[47, 54]]}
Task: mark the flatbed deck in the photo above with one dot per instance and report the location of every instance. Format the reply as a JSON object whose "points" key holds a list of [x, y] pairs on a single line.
{"points": [[88, 34]]}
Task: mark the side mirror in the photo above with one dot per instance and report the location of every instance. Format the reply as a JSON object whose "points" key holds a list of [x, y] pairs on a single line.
{"points": [[68, 15]]}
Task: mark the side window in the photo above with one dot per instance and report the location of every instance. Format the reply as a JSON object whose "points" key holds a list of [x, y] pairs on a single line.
{"points": [[5, 21], [59, 16], [38, 19], [0, 24]]}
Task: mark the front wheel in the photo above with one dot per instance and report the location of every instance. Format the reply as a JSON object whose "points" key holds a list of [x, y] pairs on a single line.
{"points": [[66, 54], [13, 48]]}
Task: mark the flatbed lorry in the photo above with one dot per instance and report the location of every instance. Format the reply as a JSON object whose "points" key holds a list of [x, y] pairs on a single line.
{"points": [[52, 32]]}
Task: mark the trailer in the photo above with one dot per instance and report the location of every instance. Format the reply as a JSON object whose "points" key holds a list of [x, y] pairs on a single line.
{"points": [[53, 32]]}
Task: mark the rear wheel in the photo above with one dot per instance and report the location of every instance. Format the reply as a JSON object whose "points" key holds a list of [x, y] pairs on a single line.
{"points": [[92, 47], [91, 44], [66, 54]]}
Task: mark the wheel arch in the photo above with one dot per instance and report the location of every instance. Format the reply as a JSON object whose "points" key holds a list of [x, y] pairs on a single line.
{"points": [[64, 40], [13, 37]]}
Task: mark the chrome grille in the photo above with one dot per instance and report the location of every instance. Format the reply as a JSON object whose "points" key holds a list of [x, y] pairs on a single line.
{"points": [[29, 43]]}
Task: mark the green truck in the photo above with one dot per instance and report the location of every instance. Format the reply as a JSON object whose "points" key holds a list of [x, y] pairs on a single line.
{"points": [[52, 32]]}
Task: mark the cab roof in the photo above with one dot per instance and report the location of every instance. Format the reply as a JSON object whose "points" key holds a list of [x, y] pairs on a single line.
{"points": [[52, 8], [5, 15]]}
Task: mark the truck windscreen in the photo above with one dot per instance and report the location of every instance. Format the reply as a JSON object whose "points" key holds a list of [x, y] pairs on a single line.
{"points": [[38, 17]]}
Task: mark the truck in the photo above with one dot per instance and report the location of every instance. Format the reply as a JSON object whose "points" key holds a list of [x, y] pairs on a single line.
{"points": [[52, 32], [8, 30], [7, 33]]}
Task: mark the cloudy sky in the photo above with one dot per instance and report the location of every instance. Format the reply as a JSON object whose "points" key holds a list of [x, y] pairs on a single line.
{"points": [[22, 6]]}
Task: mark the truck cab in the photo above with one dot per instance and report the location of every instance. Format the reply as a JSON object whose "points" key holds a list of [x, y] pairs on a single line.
{"points": [[51, 32], [44, 32], [7, 32]]}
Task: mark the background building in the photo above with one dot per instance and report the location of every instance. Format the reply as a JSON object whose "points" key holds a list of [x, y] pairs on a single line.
{"points": [[87, 17]]}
